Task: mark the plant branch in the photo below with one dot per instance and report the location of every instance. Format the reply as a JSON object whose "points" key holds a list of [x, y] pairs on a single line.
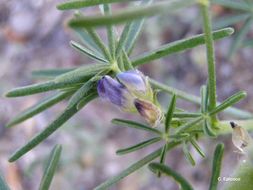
{"points": [[207, 27], [197, 100]]}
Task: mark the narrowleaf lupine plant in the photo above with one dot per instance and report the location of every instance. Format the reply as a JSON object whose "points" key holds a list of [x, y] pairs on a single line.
{"points": [[115, 77]]}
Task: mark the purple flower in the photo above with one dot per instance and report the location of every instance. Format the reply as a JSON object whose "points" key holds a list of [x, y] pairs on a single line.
{"points": [[131, 92], [110, 89], [136, 83]]}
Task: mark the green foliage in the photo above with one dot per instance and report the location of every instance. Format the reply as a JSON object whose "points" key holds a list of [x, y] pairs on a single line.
{"points": [[132, 124], [85, 3], [38, 108], [180, 127], [50, 168], [217, 161], [197, 147], [244, 7], [188, 155], [133, 167], [169, 172], [169, 114], [86, 51], [178, 46], [138, 146], [129, 14]]}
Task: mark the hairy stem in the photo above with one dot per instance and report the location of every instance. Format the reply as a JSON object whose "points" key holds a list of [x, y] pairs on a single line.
{"points": [[197, 100], [207, 27]]}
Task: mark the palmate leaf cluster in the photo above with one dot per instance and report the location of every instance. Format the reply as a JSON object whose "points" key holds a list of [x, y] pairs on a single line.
{"points": [[78, 85]]}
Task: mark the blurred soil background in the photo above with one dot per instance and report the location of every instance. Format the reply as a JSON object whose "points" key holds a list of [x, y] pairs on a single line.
{"points": [[34, 35]]}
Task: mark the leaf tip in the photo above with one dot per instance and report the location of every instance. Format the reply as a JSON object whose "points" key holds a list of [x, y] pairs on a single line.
{"points": [[118, 152], [60, 6], [72, 23], [243, 93], [220, 147], [114, 121], [11, 159], [8, 94], [230, 30], [9, 125]]}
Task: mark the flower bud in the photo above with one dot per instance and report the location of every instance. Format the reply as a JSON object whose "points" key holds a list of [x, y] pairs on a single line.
{"points": [[131, 92], [136, 83], [149, 111], [110, 89]]}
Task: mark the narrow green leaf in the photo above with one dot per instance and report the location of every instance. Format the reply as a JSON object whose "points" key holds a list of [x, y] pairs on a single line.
{"points": [[121, 63], [127, 63], [229, 102], [135, 29], [77, 4], [38, 108], [138, 146], [133, 167], [132, 124], [99, 42], [82, 74], [169, 114], [133, 34], [69, 79], [130, 14], [162, 157], [170, 172], [3, 184], [197, 147], [195, 99], [122, 39], [50, 168], [188, 155], [217, 161], [230, 20], [82, 92], [240, 37], [110, 31], [87, 52], [87, 40], [186, 114], [232, 4], [163, 153], [178, 46], [204, 99], [50, 73], [52, 127], [87, 99], [208, 131], [188, 125], [34, 89], [86, 37]]}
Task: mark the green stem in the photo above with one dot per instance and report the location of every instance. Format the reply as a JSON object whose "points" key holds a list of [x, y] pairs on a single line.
{"points": [[197, 100], [207, 27]]}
